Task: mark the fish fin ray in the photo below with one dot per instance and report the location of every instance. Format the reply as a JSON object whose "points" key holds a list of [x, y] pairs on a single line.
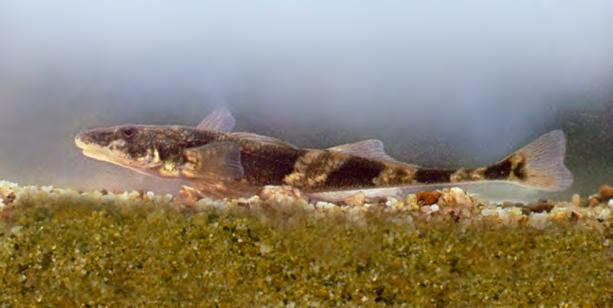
{"points": [[261, 139], [220, 119], [544, 163], [369, 149], [219, 159]]}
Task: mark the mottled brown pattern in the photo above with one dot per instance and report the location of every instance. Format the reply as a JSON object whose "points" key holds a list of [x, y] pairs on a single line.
{"points": [[518, 167], [271, 162], [464, 175], [312, 169], [394, 174]]}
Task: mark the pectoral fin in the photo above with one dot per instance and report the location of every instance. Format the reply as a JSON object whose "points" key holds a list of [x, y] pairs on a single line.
{"points": [[219, 120], [370, 149], [219, 159]]}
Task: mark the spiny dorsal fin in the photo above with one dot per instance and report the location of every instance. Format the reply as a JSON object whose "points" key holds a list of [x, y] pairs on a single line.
{"points": [[219, 120], [261, 139], [370, 149], [219, 159]]}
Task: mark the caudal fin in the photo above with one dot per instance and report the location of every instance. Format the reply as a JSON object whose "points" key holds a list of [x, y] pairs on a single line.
{"points": [[540, 164]]}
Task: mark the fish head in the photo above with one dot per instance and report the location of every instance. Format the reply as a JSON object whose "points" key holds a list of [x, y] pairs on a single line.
{"points": [[125, 145]]}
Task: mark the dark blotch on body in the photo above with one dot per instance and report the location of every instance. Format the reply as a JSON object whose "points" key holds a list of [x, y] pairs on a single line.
{"points": [[355, 172], [520, 171], [269, 165], [499, 170], [433, 176]]}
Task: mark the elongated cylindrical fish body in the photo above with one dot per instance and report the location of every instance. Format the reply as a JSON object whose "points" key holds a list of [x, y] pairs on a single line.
{"points": [[214, 158]]}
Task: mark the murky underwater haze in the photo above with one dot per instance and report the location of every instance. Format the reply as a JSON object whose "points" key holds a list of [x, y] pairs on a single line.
{"points": [[448, 87]]}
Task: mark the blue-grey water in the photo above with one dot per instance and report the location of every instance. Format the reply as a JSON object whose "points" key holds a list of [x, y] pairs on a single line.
{"points": [[442, 84]]}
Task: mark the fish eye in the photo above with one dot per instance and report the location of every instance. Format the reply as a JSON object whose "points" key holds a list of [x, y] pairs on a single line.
{"points": [[128, 132]]}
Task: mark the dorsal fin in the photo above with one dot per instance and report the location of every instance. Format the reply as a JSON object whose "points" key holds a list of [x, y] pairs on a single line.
{"points": [[219, 120], [370, 149], [261, 139], [218, 159]]}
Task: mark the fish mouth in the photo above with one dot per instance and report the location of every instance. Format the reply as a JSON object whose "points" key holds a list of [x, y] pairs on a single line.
{"points": [[88, 149], [97, 152], [100, 153], [80, 143]]}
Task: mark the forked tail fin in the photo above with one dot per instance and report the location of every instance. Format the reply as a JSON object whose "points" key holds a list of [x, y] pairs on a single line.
{"points": [[539, 164]]}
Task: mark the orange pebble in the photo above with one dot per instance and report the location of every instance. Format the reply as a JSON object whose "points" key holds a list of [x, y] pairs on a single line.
{"points": [[427, 197]]}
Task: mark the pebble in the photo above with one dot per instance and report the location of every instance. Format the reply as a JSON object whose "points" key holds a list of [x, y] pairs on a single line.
{"points": [[489, 212], [576, 199], [264, 249], [427, 197], [356, 199], [604, 214], [457, 197], [451, 203], [391, 202], [538, 207], [605, 193], [539, 220]]}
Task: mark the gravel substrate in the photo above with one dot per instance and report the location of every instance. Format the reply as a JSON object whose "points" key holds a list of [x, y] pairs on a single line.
{"points": [[69, 248]]}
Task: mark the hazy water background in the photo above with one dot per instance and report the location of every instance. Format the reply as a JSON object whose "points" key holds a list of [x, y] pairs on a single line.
{"points": [[442, 84]]}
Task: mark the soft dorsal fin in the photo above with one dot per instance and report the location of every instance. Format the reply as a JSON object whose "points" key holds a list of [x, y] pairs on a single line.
{"points": [[218, 159], [370, 149], [261, 139], [219, 120]]}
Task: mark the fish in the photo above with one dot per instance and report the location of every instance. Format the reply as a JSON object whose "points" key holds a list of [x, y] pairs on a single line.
{"points": [[217, 162]]}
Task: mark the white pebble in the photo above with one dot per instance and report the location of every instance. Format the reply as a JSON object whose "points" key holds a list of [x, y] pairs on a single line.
{"points": [[264, 249], [16, 229], [325, 205], [391, 201], [134, 195], [539, 220], [208, 203], [489, 212], [576, 199], [604, 214], [309, 207], [109, 198], [125, 196]]}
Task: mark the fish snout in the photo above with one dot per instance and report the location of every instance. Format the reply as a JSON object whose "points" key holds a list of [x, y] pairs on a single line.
{"points": [[82, 140]]}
